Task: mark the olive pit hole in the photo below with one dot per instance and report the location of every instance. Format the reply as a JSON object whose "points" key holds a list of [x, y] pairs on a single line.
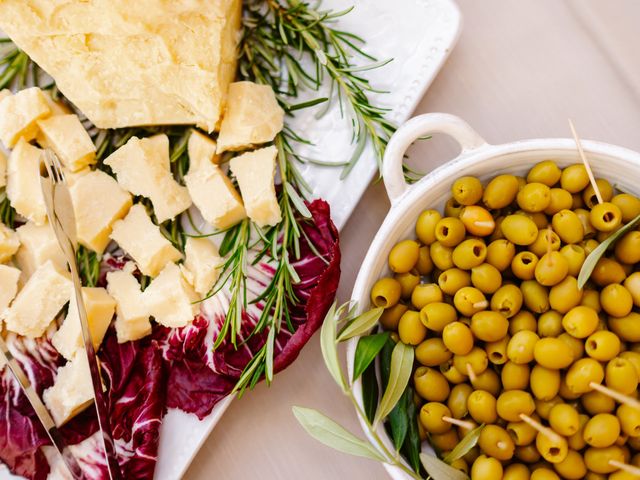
{"points": [[554, 451], [497, 356], [381, 301], [477, 250], [608, 217], [526, 260], [592, 344]]}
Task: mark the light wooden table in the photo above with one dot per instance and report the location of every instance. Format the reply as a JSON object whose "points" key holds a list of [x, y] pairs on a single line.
{"points": [[520, 70]]}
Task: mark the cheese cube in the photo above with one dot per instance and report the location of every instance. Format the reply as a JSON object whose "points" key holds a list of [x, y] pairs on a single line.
{"points": [[3, 169], [66, 136], [202, 264], [19, 114], [100, 307], [23, 182], [252, 116], [132, 321], [38, 244], [142, 167], [98, 201], [9, 277], [210, 188], [170, 298], [39, 301], [9, 243], [72, 390], [141, 239], [58, 107], [255, 172]]}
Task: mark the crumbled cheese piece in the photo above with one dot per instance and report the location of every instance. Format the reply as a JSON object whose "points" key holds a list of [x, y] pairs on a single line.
{"points": [[23, 182], [9, 243], [100, 307], [3, 169], [170, 298], [126, 63], [142, 167], [252, 116], [98, 201], [141, 239], [72, 390], [210, 188], [39, 301], [38, 244], [66, 136], [202, 264], [9, 277], [132, 321], [19, 114], [255, 172]]}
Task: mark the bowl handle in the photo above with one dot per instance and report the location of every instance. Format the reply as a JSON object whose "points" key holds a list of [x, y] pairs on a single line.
{"points": [[411, 131]]}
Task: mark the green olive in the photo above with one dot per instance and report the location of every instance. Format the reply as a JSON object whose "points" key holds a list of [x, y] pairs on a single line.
{"points": [[591, 299], [426, 293], [513, 403], [497, 231], [476, 359], [523, 265], [560, 200], [543, 407], [469, 253], [523, 320], [467, 190], [589, 245], [563, 418], [408, 282], [489, 326], [627, 328], [568, 226], [432, 352], [627, 248], [629, 418], [435, 316], [621, 375], [582, 373], [565, 295], [550, 324], [572, 467], [536, 296], [553, 448], [552, 353], [426, 226], [516, 471], [431, 415], [410, 328], [424, 265], [500, 192], [534, 197], [545, 382], [477, 221], [543, 473], [496, 442], [457, 338], [500, 253], [488, 380], [575, 256], [453, 279], [602, 345], [457, 401], [551, 269], [589, 194], [575, 344], [386, 292], [441, 256], [452, 208], [602, 430], [451, 373], [486, 278], [574, 178], [521, 432], [486, 468], [445, 441], [546, 172], [507, 300], [605, 217], [628, 205], [460, 464], [576, 201], [632, 284], [519, 229], [431, 384], [585, 219], [497, 351], [521, 346], [481, 405], [580, 321], [596, 402], [634, 358], [576, 441], [515, 376], [597, 459], [544, 238], [390, 318], [404, 256], [528, 454], [450, 231], [469, 300]]}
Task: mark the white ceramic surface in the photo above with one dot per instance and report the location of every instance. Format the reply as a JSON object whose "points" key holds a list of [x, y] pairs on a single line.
{"points": [[619, 165], [430, 29]]}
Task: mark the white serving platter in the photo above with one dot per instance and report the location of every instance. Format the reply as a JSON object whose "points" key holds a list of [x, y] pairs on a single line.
{"points": [[418, 35]]}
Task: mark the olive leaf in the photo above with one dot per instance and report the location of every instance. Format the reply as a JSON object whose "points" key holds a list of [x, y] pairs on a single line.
{"points": [[399, 421], [438, 470], [370, 391], [467, 443], [598, 252], [400, 373], [326, 431], [329, 346], [366, 351], [412, 443], [361, 324]]}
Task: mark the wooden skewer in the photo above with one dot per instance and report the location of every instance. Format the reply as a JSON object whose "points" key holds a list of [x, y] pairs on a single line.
{"points": [[633, 470], [472, 375], [620, 397], [549, 433], [592, 179], [481, 304], [460, 423]]}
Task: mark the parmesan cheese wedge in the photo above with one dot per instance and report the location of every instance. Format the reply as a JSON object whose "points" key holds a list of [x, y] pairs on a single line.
{"points": [[23, 182], [9, 243], [39, 301], [252, 116], [142, 167], [124, 63], [38, 245], [20, 113], [100, 307], [171, 299], [141, 239], [66, 136], [132, 321], [202, 264], [72, 390], [98, 201], [201, 148], [255, 172], [9, 277]]}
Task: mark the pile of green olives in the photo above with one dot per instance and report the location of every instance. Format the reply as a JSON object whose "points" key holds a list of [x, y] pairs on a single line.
{"points": [[487, 294]]}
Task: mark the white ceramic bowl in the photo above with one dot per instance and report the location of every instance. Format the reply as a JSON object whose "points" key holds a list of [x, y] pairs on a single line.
{"points": [[480, 159]]}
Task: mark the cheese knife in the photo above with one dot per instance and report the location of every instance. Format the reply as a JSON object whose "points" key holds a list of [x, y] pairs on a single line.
{"points": [[59, 208]]}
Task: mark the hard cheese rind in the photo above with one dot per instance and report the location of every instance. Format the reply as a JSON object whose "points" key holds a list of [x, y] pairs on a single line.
{"points": [[66, 136], [132, 321], [23, 182], [125, 63]]}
